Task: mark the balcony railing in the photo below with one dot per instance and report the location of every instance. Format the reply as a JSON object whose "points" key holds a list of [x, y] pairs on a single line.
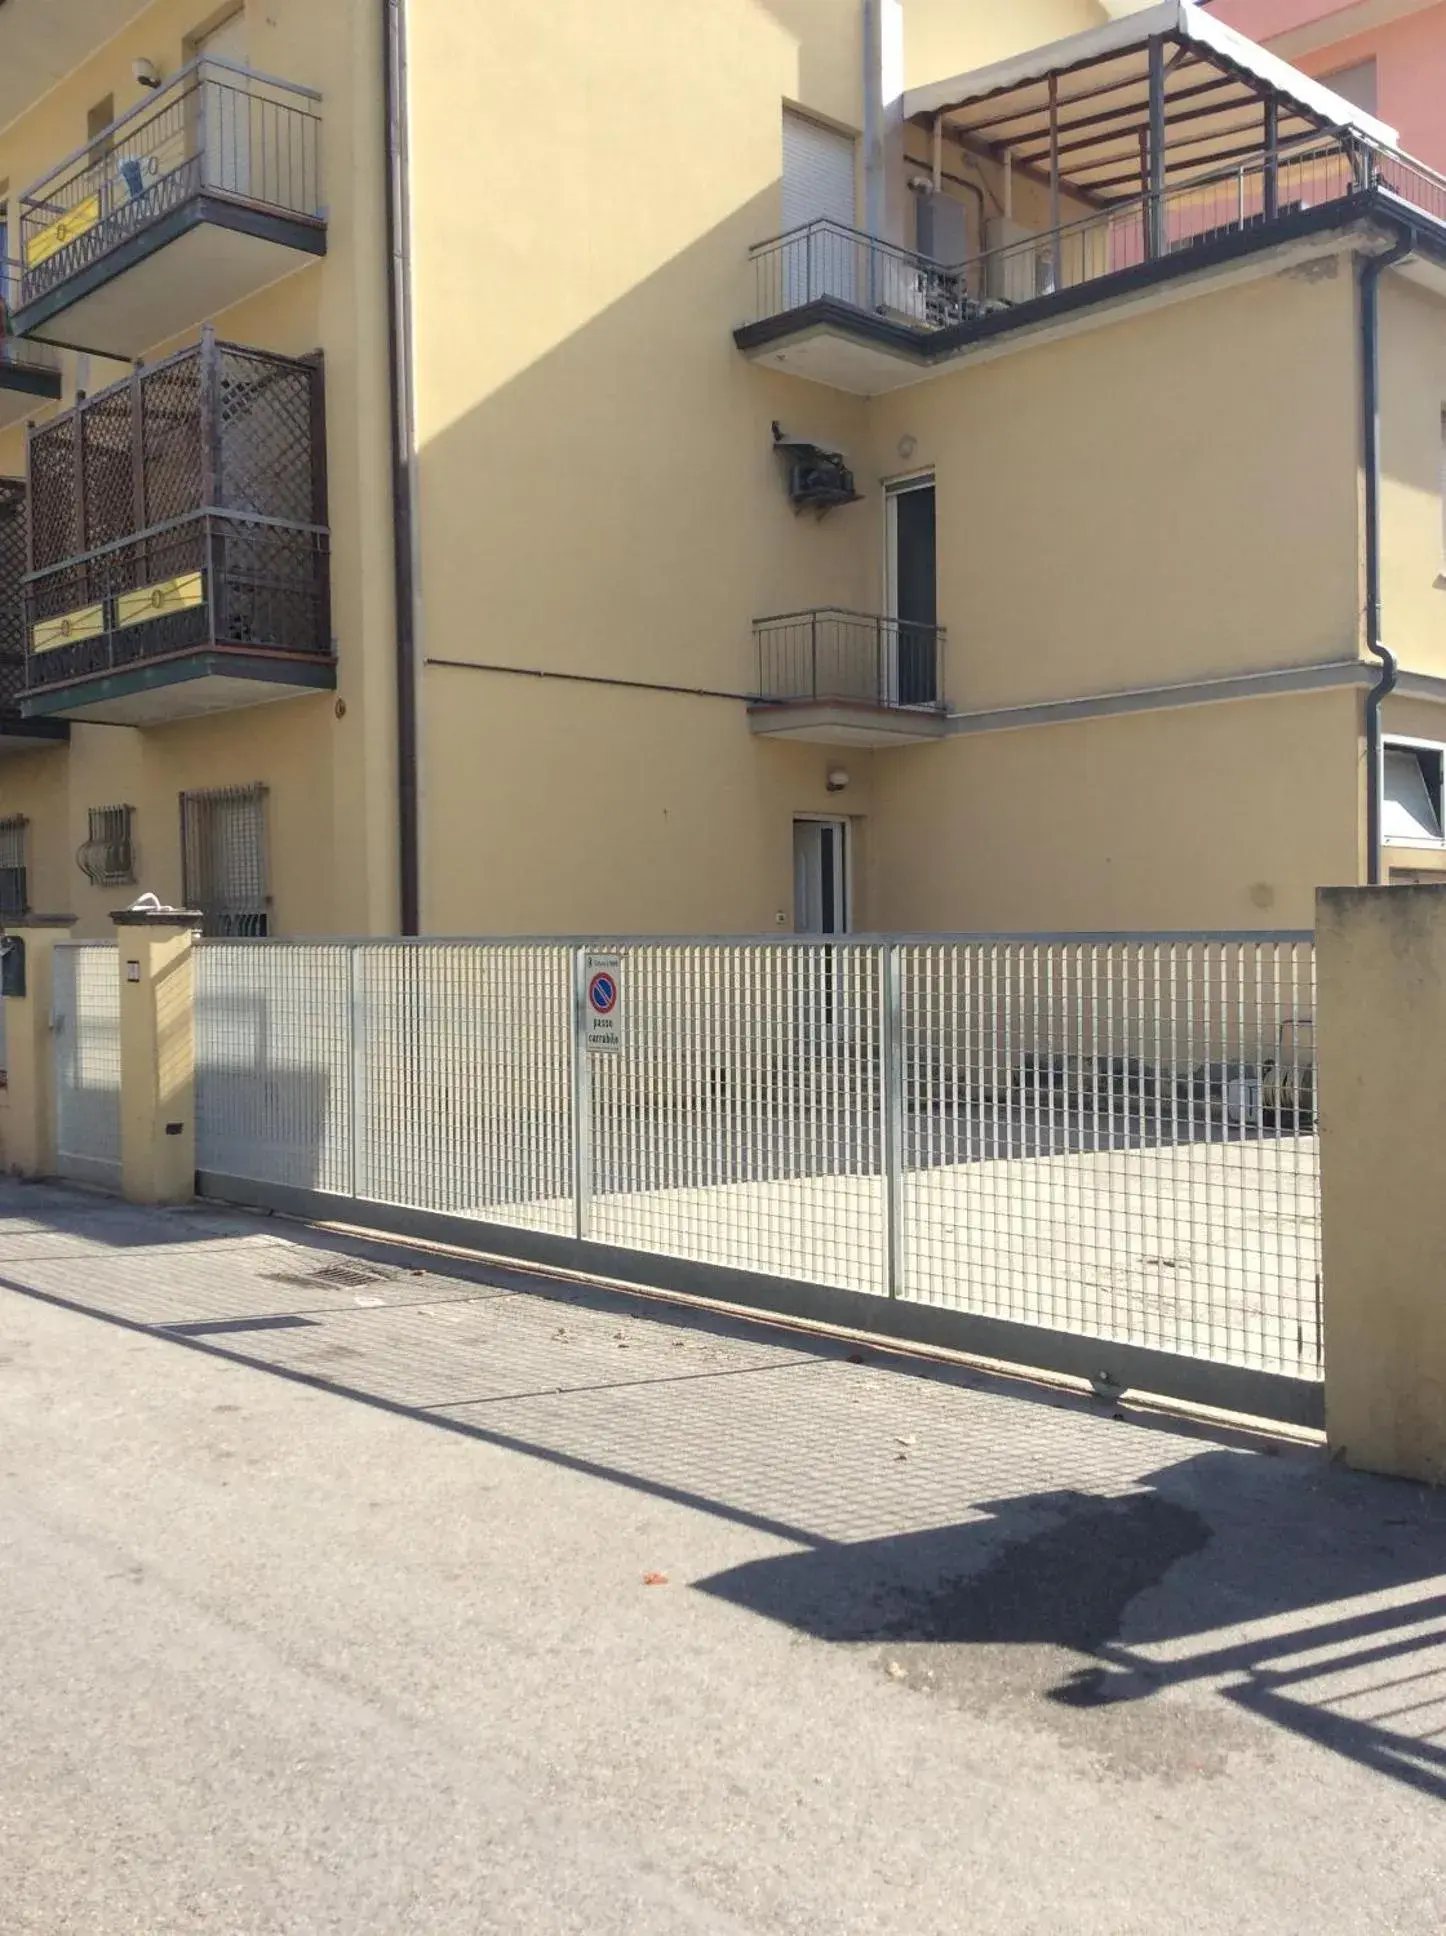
{"points": [[824, 260], [18, 352], [12, 570], [853, 658], [182, 508], [231, 583], [215, 129]]}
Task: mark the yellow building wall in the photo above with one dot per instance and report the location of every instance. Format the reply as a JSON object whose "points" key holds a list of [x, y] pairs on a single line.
{"points": [[947, 37], [328, 764], [1173, 496], [599, 494], [1220, 816], [1413, 473]]}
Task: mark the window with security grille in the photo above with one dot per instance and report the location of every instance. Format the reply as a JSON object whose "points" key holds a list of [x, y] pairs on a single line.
{"points": [[107, 859], [14, 871], [223, 857]]}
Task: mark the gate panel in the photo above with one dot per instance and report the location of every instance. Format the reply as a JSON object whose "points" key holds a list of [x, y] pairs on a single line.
{"points": [[85, 1016], [273, 1062], [740, 1123], [1117, 1138], [464, 1081]]}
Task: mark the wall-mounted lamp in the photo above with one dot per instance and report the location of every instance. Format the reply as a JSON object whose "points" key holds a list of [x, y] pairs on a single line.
{"points": [[146, 72], [837, 779]]}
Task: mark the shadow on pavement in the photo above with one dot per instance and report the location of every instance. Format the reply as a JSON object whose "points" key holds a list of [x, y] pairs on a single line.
{"points": [[1298, 1595]]}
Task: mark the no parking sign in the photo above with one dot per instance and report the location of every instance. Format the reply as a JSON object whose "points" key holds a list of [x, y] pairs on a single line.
{"points": [[603, 982]]}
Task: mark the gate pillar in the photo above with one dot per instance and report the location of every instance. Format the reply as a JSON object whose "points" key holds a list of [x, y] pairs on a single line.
{"points": [[1381, 1041], [157, 1052], [27, 1115]]}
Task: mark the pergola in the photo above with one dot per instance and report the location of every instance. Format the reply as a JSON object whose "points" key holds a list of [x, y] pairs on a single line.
{"points": [[1146, 103]]}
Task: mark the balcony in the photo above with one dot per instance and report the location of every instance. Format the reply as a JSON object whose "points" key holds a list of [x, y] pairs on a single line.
{"points": [[178, 539], [200, 196], [1159, 146], [17, 735], [29, 372], [842, 678]]}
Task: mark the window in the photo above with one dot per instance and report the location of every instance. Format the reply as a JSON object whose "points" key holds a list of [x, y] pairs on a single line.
{"points": [[1411, 790], [14, 874], [223, 859], [97, 121], [107, 858], [1354, 84]]}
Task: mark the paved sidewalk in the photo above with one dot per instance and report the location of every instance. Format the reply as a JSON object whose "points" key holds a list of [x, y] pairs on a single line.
{"points": [[327, 1608]]}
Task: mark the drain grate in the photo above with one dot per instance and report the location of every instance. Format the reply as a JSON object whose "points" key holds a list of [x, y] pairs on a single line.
{"points": [[340, 1277]]}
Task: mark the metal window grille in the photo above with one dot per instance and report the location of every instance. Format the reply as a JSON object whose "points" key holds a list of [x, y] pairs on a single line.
{"points": [[224, 859], [14, 871], [107, 857]]}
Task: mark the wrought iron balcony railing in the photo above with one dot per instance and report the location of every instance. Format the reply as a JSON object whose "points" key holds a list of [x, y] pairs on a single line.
{"points": [[853, 658], [12, 571], [825, 260], [215, 129], [230, 583], [184, 507]]}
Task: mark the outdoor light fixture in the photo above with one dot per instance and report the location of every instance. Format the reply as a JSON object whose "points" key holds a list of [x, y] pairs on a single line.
{"points": [[146, 72], [837, 779]]}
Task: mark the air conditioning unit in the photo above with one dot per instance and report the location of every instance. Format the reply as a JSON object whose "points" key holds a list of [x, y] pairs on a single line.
{"points": [[815, 479]]}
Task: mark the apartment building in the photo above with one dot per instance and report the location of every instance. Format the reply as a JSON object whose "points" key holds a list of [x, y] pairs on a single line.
{"points": [[790, 464]]}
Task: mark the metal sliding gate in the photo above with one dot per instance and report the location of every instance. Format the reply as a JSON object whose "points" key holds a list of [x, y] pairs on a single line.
{"points": [[85, 1018], [1096, 1154]]}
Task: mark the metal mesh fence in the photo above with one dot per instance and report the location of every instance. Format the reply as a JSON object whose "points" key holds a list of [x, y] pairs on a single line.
{"points": [[85, 1001], [1113, 1138]]}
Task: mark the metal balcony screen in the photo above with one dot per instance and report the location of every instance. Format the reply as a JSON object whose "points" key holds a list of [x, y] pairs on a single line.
{"points": [[12, 570], [198, 484]]}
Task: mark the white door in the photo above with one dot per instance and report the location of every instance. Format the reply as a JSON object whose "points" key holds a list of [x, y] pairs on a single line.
{"points": [[226, 110], [820, 876], [818, 187]]}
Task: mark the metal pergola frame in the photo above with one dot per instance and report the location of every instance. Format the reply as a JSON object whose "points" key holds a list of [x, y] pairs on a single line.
{"points": [[1127, 112]]}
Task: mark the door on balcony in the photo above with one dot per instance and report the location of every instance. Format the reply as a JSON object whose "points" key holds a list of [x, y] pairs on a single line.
{"points": [[818, 187], [911, 591], [224, 108], [820, 876]]}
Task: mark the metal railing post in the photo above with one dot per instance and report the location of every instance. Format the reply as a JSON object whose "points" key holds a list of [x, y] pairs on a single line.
{"points": [[813, 654], [353, 1069], [891, 1060], [808, 264], [581, 1101]]}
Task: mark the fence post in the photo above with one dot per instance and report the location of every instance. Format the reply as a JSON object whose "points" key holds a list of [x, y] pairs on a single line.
{"points": [[891, 1060], [581, 1100], [29, 1112], [157, 1052], [1381, 1039]]}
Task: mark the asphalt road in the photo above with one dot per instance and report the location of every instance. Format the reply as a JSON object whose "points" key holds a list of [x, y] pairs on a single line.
{"points": [[349, 1589]]}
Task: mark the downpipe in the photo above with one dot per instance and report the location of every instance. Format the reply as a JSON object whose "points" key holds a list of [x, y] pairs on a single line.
{"points": [[1371, 270], [399, 368]]}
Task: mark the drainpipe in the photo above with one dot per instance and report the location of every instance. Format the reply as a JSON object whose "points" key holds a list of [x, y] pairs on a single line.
{"points": [[873, 119], [399, 363], [1371, 270]]}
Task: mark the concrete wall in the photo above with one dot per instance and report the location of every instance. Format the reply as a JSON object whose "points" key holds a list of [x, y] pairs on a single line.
{"points": [[1381, 1036]]}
